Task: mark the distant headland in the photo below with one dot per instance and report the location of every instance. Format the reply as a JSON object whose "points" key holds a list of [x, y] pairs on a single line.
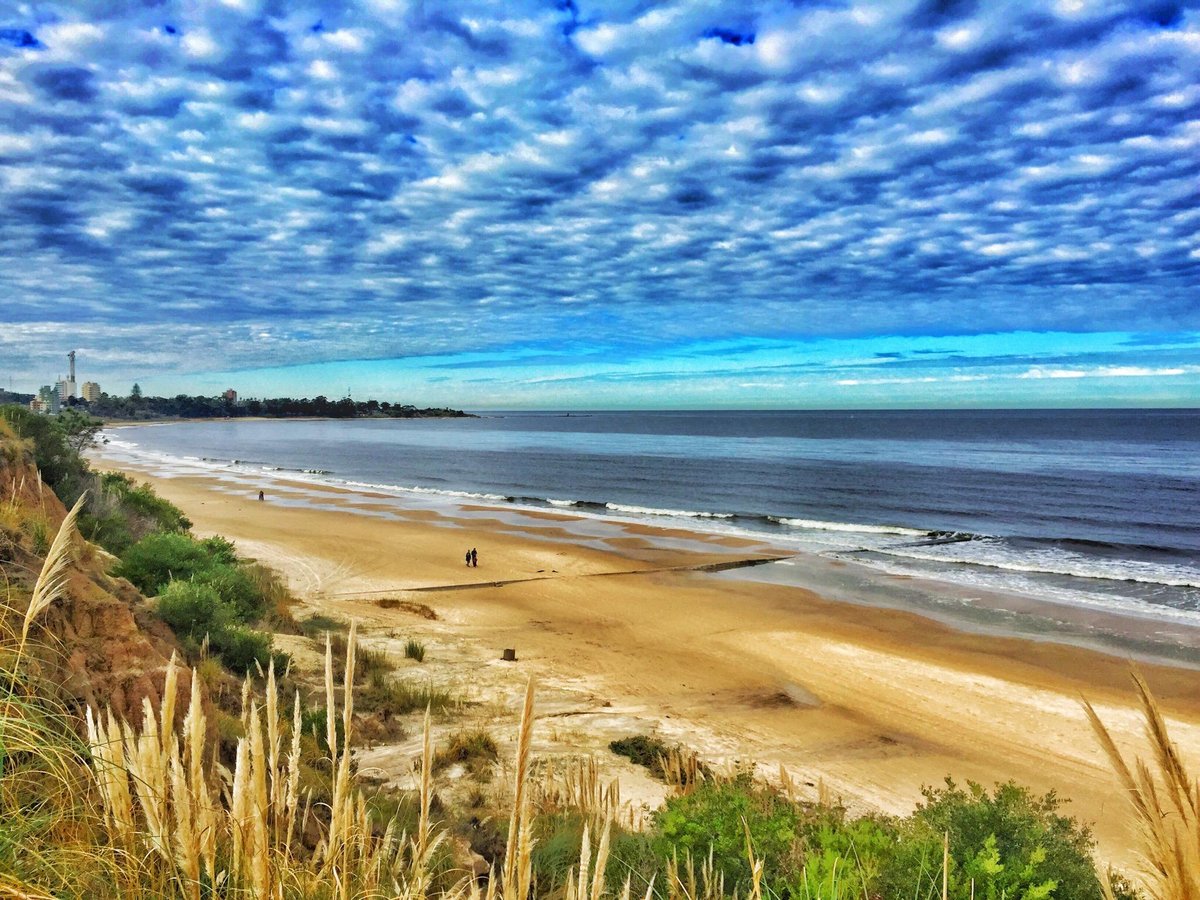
{"points": [[139, 408]]}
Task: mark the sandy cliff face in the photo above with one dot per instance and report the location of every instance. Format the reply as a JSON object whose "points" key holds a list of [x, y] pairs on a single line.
{"points": [[98, 642]]}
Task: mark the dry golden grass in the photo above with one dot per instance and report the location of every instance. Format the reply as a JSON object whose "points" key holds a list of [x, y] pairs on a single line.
{"points": [[1165, 802], [577, 787]]}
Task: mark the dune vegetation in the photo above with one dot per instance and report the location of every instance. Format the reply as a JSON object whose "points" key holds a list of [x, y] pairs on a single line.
{"points": [[221, 770]]}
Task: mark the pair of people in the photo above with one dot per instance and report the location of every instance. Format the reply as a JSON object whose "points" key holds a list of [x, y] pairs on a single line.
{"points": [[472, 558]]}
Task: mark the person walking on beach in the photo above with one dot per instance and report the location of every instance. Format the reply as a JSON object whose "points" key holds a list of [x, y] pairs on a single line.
{"points": [[474, 558], [261, 497], [468, 559]]}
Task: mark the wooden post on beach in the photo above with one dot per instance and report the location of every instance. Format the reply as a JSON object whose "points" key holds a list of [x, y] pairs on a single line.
{"points": [[510, 655]]}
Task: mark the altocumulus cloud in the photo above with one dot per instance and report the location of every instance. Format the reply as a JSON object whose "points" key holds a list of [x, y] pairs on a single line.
{"points": [[260, 183]]}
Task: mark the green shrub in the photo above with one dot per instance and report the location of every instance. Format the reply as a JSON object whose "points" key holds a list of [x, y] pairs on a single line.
{"points": [[39, 534], [716, 816], [842, 859], [237, 589], [1009, 842], [245, 650], [109, 530], [140, 501], [414, 649], [220, 550], [193, 609], [157, 558], [642, 750]]}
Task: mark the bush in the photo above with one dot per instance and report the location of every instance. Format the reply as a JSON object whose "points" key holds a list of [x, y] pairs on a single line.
{"points": [[193, 609], [237, 589], [1009, 843], [414, 649], [716, 816], [220, 550], [642, 750], [140, 501], [244, 650], [157, 558], [842, 860]]}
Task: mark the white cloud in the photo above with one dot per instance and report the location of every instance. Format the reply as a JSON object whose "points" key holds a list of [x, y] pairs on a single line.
{"points": [[200, 44]]}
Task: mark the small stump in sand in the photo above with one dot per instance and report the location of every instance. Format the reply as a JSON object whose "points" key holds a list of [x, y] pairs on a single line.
{"points": [[509, 655]]}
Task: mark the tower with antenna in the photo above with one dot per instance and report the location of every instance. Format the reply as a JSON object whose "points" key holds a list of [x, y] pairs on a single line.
{"points": [[66, 388]]}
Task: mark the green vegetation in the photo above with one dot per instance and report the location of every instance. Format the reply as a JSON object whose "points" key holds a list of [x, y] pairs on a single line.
{"points": [[716, 818], [118, 512], [414, 649], [642, 750], [205, 592], [1002, 843], [139, 407], [1009, 842], [398, 696]]}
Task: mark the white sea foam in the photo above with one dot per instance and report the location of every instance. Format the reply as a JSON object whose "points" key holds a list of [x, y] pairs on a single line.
{"points": [[818, 525], [982, 578], [997, 554], [563, 503], [675, 513]]}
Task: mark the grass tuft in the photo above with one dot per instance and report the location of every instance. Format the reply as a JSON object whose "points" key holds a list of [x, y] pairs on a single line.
{"points": [[474, 748]]}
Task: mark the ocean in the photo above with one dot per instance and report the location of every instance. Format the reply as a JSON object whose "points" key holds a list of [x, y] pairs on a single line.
{"points": [[1086, 509]]}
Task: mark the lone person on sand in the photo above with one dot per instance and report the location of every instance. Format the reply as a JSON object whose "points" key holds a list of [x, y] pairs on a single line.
{"points": [[261, 497], [474, 558]]}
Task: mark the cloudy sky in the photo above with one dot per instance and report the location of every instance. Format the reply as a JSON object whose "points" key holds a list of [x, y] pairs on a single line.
{"points": [[619, 204]]}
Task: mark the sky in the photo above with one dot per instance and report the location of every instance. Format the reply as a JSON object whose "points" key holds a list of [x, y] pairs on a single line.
{"points": [[567, 204]]}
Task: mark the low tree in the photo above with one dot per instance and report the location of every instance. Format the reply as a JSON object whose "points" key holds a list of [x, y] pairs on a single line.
{"points": [[80, 431]]}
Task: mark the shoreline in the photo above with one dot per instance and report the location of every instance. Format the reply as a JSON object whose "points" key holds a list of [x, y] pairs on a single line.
{"points": [[1150, 634], [869, 701]]}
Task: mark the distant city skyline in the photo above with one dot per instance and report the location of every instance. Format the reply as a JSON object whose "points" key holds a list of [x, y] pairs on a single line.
{"points": [[575, 205]]}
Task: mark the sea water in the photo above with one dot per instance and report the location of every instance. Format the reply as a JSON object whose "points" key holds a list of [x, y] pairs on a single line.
{"points": [[1092, 508]]}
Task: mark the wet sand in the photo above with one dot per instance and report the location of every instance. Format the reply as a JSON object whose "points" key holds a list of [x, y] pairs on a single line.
{"points": [[872, 703]]}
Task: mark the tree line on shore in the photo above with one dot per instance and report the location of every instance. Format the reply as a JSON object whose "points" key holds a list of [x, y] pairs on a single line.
{"points": [[182, 406]]}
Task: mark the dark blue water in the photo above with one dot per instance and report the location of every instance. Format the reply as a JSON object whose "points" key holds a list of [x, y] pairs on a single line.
{"points": [[1096, 504]]}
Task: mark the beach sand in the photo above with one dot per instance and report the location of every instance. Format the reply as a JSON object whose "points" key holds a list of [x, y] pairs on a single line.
{"points": [[869, 703]]}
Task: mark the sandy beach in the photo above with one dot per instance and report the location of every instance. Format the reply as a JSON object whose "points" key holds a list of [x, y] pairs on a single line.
{"points": [[869, 703]]}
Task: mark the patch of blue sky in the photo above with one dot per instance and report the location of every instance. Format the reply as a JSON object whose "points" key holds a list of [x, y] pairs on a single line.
{"points": [[1038, 369], [605, 204]]}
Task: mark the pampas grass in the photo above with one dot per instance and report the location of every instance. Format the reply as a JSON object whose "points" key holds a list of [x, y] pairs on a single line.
{"points": [[1164, 800], [52, 580]]}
